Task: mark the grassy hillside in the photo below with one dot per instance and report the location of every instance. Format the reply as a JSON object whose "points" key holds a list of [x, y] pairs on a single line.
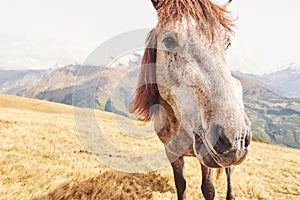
{"points": [[42, 158], [275, 122], [275, 119]]}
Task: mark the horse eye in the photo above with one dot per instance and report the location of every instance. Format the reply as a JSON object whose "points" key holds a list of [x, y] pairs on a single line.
{"points": [[228, 45], [169, 42]]}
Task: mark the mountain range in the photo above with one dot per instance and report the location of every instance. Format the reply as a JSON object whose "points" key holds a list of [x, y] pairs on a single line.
{"points": [[271, 100], [14, 81], [284, 82]]}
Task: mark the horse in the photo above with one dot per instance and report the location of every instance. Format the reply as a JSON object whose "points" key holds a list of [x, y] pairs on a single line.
{"points": [[186, 88]]}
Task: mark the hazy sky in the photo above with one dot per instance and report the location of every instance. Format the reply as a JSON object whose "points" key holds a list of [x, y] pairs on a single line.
{"points": [[44, 34]]}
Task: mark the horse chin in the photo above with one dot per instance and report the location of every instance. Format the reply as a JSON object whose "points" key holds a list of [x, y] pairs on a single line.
{"points": [[203, 153]]}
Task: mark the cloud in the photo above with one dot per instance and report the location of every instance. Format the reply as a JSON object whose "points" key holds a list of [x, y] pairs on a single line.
{"points": [[37, 34], [19, 52]]}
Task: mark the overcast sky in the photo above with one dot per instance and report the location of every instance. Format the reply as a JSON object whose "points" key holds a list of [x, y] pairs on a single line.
{"points": [[51, 33]]}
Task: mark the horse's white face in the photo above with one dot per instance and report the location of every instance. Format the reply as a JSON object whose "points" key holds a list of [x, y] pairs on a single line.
{"points": [[193, 77]]}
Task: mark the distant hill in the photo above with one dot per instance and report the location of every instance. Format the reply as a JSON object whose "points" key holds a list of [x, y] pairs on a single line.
{"points": [[86, 86], [284, 82], [275, 117], [14, 81], [58, 86]]}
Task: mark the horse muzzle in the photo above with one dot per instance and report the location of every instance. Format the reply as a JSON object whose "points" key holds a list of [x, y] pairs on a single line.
{"points": [[215, 150]]}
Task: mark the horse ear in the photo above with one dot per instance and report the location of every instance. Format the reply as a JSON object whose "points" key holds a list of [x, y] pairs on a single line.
{"points": [[156, 3], [227, 4]]}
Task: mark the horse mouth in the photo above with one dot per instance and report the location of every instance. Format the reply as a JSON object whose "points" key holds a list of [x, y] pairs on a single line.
{"points": [[210, 157]]}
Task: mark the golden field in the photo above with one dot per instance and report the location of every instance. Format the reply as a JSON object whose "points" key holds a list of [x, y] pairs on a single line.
{"points": [[42, 158]]}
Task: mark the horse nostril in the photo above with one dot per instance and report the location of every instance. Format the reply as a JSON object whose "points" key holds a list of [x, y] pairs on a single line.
{"points": [[220, 142], [248, 139], [222, 145]]}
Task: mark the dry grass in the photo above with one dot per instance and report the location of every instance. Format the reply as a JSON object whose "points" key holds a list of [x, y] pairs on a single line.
{"points": [[42, 158]]}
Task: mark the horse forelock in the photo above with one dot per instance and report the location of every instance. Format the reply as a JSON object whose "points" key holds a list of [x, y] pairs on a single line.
{"points": [[211, 18], [146, 94]]}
